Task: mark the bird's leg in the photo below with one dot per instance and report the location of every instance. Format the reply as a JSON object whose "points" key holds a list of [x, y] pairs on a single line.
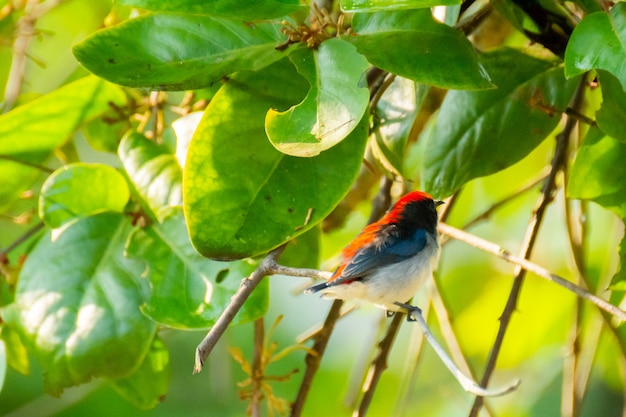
{"points": [[410, 310]]}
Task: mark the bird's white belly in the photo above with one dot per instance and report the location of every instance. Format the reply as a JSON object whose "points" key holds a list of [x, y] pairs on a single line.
{"points": [[392, 283]]}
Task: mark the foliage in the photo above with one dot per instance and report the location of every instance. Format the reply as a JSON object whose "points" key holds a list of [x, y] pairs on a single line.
{"points": [[138, 188]]}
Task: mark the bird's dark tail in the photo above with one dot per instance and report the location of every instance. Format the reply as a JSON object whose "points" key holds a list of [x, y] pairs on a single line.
{"points": [[316, 288]]}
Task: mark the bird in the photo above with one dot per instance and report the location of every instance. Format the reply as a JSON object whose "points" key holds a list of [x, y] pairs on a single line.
{"points": [[391, 258]]}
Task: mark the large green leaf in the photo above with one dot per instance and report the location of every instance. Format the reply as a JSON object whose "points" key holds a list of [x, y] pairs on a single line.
{"points": [[242, 197], [45, 123], [479, 133], [30, 132], [154, 172], [147, 386], [412, 44], [612, 115], [188, 290], [77, 304], [333, 107], [79, 190], [599, 42], [386, 5], [233, 9], [598, 172], [178, 52]]}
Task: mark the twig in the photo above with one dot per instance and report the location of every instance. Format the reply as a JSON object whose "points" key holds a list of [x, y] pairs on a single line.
{"points": [[247, 286], [525, 264], [469, 385], [547, 195], [25, 30], [379, 364], [23, 238], [26, 163]]}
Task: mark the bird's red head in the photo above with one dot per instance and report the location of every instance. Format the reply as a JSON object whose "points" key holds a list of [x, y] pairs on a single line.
{"points": [[415, 209]]}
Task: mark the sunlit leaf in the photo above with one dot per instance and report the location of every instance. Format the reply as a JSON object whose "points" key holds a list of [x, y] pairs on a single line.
{"points": [[77, 304], [17, 355], [478, 133], [188, 290], [242, 197], [148, 385], [417, 51], [79, 190], [599, 42], [333, 107], [598, 164], [154, 172], [178, 52], [611, 117], [232, 9], [386, 5]]}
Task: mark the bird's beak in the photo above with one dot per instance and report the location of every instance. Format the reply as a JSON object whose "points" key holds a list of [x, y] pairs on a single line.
{"points": [[439, 202]]}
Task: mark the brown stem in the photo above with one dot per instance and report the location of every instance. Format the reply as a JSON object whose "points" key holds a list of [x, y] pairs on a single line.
{"points": [[257, 367], [379, 365], [313, 360]]}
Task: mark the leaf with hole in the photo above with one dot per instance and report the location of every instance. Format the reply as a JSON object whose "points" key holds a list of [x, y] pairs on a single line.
{"points": [[333, 106], [242, 197]]}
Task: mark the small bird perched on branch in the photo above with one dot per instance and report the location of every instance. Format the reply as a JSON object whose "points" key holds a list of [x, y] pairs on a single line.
{"points": [[389, 260]]}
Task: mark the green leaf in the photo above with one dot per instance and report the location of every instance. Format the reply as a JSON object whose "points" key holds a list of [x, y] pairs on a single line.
{"points": [[3, 363], [45, 123], [333, 107], [597, 172], [232, 9], [147, 386], [599, 42], [77, 304], [242, 197], [80, 190], [30, 132], [409, 43], [17, 355], [482, 132], [393, 120], [178, 52], [154, 172], [188, 290], [611, 117], [387, 5]]}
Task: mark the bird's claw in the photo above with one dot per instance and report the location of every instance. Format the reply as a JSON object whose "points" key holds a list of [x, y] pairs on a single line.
{"points": [[389, 313], [410, 310]]}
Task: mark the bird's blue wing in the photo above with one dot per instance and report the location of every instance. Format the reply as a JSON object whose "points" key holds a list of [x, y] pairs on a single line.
{"points": [[388, 250]]}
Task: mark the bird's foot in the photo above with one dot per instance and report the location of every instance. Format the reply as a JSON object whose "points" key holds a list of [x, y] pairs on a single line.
{"points": [[410, 310]]}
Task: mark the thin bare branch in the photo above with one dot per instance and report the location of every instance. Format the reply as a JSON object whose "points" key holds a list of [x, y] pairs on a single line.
{"points": [[23, 238], [468, 384], [247, 286], [540, 271]]}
